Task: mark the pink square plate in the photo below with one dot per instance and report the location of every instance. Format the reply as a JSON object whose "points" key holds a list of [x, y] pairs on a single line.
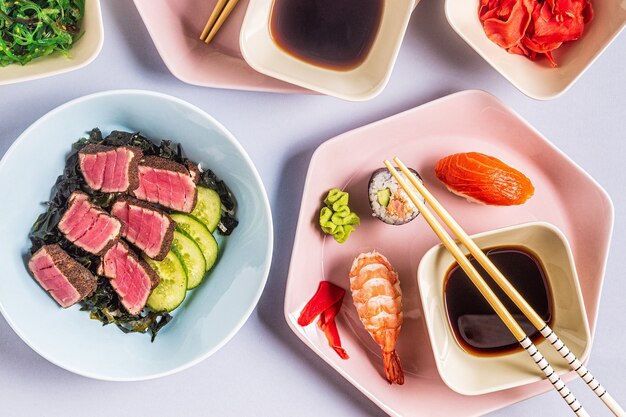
{"points": [[565, 196], [175, 27]]}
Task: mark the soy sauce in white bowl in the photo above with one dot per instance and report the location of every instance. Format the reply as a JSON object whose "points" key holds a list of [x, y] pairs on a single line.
{"points": [[333, 34]]}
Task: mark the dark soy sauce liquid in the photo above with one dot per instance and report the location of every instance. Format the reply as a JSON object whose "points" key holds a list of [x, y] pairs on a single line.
{"points": [[335, 34], [476, 326]]}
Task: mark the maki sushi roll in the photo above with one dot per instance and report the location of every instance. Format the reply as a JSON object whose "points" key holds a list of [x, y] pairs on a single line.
{"points": [[388, 200]]}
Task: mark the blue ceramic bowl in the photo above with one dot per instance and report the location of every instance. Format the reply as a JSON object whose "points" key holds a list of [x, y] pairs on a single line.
{"points": [[210, 315]]}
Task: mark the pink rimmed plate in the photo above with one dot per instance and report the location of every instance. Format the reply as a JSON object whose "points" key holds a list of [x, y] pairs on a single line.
{"points": [[565, 196], [175, 27]]}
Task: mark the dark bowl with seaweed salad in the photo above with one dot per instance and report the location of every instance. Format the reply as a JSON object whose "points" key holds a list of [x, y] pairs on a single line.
{"points": [[104, 335], [41, 38]]}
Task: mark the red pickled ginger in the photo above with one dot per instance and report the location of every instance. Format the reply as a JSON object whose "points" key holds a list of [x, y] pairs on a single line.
{"points": [[534, 27]]}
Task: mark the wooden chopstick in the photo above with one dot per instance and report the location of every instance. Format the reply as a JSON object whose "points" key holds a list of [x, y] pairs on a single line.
{"points": [[218, 16], [490, 296], [514, 295]]}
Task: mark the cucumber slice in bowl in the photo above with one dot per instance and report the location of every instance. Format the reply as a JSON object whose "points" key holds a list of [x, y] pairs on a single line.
{"points": [[208, 209], [172, 288], [191, 257], [200, 234]]}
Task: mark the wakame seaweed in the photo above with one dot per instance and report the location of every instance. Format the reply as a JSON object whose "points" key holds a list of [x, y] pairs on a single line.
{"points": [[31, 29], [104, 304]]}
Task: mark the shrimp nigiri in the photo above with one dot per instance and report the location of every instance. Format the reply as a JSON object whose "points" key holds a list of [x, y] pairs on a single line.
{"points": [[378, 300]]}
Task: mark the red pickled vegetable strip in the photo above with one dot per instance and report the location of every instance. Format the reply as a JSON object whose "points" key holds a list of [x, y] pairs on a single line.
{"points": [[326, 303], [329, 327], [326, 296]]}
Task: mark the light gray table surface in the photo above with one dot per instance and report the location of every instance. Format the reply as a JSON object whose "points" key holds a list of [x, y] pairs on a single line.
{"points": [[265, 370]]}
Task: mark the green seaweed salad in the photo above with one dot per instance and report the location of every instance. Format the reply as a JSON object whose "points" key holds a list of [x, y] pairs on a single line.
{"points": [[104, 304], [31, 29]]}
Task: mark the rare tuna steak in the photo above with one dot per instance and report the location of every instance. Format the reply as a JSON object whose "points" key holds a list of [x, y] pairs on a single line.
{"points": [[131, 277], [110, 169], [87, 226], [149, 229], [167, 183], [66, 280]]}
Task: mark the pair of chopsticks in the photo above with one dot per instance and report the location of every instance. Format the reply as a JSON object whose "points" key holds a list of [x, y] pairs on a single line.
{"points": [[510, 291], [218, 16]]}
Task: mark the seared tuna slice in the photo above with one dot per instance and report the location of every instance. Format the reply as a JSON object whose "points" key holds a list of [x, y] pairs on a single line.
{"points": [[66, 280], [131, 277], [167, 183], [87, 226], [110, 169], [149, 229]]}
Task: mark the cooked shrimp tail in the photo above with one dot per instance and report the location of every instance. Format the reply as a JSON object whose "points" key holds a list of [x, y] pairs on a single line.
{"points": [[393, 369]]}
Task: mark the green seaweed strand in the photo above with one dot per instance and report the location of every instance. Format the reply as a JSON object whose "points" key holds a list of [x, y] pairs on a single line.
{"points": [[31, 29], [336, 219]]}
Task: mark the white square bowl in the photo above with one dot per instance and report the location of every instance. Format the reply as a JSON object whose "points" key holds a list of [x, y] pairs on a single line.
{"points": [[470, 374], [361, 83], [84, 51], [537, 79]]}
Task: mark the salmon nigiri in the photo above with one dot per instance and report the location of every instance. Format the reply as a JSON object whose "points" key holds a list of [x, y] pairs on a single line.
{"points": [[484, 179], [378, 300]]}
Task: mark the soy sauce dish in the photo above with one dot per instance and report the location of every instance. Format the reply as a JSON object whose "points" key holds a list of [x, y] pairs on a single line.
{"points": [[343, 49], [472, 348]]}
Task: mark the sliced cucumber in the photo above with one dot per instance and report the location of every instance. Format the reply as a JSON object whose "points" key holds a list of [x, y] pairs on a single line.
{"points": [[208, 209], [191, 257], [172, 287], [203, 238]]}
